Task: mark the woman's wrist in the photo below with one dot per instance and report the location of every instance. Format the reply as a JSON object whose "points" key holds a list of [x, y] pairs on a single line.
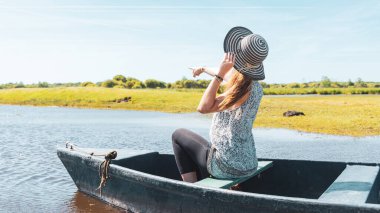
{"points": [[218, 78], [222, 75]]}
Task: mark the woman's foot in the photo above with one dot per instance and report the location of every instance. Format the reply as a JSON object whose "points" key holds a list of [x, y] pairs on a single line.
{"points": [[236, 187]]}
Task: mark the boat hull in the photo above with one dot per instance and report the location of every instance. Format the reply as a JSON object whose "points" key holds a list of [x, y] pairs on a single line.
{"points": [[138, 191]]}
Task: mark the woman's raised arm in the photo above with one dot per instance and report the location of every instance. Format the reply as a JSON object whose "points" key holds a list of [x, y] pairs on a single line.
{"points": [[209, 102]]}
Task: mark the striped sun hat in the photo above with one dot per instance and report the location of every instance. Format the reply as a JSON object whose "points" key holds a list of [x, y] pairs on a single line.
{"points": [[250, 50]]}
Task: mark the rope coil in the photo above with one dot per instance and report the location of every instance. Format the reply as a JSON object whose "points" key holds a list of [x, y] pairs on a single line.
{"points": [[103, 167]]}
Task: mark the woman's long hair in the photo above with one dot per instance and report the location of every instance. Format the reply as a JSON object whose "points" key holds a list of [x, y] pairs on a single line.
{"points": [[238, 85]]}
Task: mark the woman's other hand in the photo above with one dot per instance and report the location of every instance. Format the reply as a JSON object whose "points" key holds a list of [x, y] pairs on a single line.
{"points": [[227, 64], [197, 71]]}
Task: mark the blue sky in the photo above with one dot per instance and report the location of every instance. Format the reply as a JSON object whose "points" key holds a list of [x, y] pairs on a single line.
{"points": [[81, 40]]}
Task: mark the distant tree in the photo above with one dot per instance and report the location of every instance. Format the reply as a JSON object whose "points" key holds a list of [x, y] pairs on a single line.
{"points": [[350, 83], [203, 83], [187, 83], [109, 83], [59, 85], [152, 83], [120, 78], [138, 85], [133, 83], [360, 83], [76, 84], [325, 82], [177, 84], [130, 84], [87, 84], [19, 85], [190, 84], [336, 85], [43, 84], [293, 85], [131, 79], [119, 86]]}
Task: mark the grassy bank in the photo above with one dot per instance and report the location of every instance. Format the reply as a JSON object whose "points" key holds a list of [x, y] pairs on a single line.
{"points": [[321, 91], [166, 100], [356, 115]]}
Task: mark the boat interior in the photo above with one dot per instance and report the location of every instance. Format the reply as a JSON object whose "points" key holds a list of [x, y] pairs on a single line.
{"points": [[328, 181]]}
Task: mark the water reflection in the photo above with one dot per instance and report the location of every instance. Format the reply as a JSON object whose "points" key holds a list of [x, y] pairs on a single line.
{"points": [[83, 203]]}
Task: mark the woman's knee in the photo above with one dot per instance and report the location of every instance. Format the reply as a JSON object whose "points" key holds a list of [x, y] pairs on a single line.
{"points": [[177, 134]]}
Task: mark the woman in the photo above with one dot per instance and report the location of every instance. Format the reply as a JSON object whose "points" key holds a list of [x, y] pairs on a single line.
{"points": [[231, 153]]}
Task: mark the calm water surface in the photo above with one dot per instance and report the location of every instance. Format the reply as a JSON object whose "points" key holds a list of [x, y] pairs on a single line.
{"points": [[34, 180]]}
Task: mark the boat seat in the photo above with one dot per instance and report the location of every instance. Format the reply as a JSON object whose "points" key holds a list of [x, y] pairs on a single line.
{"points": [[227, 183], [352, 186]]}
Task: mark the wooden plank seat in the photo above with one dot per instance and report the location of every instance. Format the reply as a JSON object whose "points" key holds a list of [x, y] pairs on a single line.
{"points": [[352, 186], [227, 183]]}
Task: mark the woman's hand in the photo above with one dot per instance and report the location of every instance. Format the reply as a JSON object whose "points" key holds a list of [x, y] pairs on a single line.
{"points": [[227, 64], [197, 71]]}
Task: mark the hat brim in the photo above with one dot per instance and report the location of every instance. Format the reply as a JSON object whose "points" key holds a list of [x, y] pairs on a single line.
{"points": [[232, 44]]}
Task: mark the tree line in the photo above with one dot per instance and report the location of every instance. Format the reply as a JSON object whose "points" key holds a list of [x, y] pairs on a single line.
{"points": [[120, 81]]}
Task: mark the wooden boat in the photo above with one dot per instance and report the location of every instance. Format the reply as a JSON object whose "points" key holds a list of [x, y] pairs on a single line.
{"points": [[148, 181]]}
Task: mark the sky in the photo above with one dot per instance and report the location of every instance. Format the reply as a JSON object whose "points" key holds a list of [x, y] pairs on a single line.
{"points": [[93, 40]]}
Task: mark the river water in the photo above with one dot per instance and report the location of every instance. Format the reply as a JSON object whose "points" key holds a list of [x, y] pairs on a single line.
{"points": [[34, 180]]}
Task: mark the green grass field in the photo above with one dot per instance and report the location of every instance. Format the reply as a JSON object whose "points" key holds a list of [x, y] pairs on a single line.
{"points": [[321, 91], [355, 115]]}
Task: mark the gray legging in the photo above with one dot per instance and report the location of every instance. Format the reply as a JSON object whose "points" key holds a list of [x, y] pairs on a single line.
{"points": [[190, 151]]}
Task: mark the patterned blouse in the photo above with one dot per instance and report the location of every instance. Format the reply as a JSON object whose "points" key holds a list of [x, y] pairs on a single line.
{"points": [[233, 152]]}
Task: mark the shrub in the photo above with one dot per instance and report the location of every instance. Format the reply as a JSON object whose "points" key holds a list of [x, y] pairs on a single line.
{"points": [[109, 83], [312, 91], [138, 85], [87, 84], [120, 78], [203, 83], [350, 83], [293, 85], [360, 83], [134, 83], [186, 83], [325, 82], [314, 84], [132, 79], [119, 86], [19, 85], [152, 83], [336, 85], [43, 84], [178, 84]]}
